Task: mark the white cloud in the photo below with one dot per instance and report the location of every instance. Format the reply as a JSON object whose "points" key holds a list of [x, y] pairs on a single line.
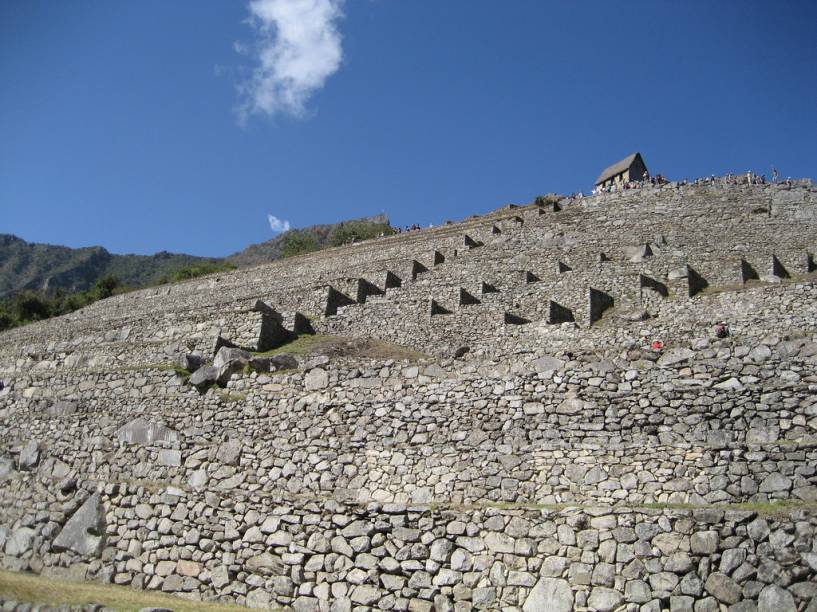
{"points": [[297, 48], [277, 225]]}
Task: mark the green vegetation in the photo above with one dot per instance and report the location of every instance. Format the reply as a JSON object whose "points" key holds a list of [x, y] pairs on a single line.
{"points": [[342, 346], [773, 508], [77, 277], [26, 265], [188, 272], [49, 591], [176, 369], [29, 306], [299, 242], [302, 345], [544, 200], [354, 231]]}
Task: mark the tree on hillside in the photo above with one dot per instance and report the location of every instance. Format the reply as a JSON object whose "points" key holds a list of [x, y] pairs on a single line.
{"points": [[357, 230], [297, 243], [106, 286]]}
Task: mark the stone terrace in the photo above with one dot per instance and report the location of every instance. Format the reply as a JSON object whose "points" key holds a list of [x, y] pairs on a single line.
{"points": [[537, 455]]}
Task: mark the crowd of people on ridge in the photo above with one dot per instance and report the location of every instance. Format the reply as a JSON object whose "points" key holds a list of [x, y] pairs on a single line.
{"points": [[750, 178]]}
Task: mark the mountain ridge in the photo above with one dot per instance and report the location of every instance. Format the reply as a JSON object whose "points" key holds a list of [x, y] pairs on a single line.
{"points": [[48, 267]]}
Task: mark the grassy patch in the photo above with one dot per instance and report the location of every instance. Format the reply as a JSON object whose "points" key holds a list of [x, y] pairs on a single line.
{"points": [[178, 370], [773, 508], [341, 346], [42, 590], [302, 345], [756, 283]]}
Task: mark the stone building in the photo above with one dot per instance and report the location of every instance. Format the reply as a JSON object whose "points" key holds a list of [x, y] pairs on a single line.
{"points": [[631, 168]]}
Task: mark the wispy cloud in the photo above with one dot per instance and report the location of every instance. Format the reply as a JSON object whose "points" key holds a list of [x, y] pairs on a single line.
{"points": [[278, 225], [297, 47]]}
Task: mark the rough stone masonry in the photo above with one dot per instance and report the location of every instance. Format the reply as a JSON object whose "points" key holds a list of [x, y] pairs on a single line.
{"points": [[532, 452]]}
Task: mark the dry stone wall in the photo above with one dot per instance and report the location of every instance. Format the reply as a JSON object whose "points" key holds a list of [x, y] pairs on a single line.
{"points": [[557, 462]]}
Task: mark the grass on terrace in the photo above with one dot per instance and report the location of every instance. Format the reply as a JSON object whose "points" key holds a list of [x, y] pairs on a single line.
{"points": [[794, 279], [30, 588], [342, 346]]}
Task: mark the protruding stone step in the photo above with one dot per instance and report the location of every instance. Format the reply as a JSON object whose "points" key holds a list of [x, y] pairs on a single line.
{"points": [[559, 314], [562, 267], [486, 288], [646, 282], [495, 230], [640, 253], [417, 269], [778, 269], [470, 243], [510, 318], [392, 281], [334, 300], [299, 324], [747, 272], [272, 332], [437, 258], [598, 302], [603, 257], [467, 299], [435, 308], [695, 282], [365, 289], [530, 277]]}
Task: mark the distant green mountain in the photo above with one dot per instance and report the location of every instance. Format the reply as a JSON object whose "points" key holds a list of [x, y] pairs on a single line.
{"points": [[46, 267]]}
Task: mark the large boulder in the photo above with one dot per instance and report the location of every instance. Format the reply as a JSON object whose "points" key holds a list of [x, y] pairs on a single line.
{"points": [[604, 599], [316, 379], [29, 455], [675, 356], [204, 377], [142, 431], [265, 564], [723, 588], [229, 453], [261, 364], [19, 541], [226, 371], [228, 354], [775, 599], [189, 362], [84, 531], [552, 594], [285, 361]]}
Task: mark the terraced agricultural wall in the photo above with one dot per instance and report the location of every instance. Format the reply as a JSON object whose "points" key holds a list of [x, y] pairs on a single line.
{"points": [[557, 462]]}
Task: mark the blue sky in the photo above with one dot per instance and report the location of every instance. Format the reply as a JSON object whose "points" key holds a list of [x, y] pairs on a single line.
{"points": [[181, 126]]}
